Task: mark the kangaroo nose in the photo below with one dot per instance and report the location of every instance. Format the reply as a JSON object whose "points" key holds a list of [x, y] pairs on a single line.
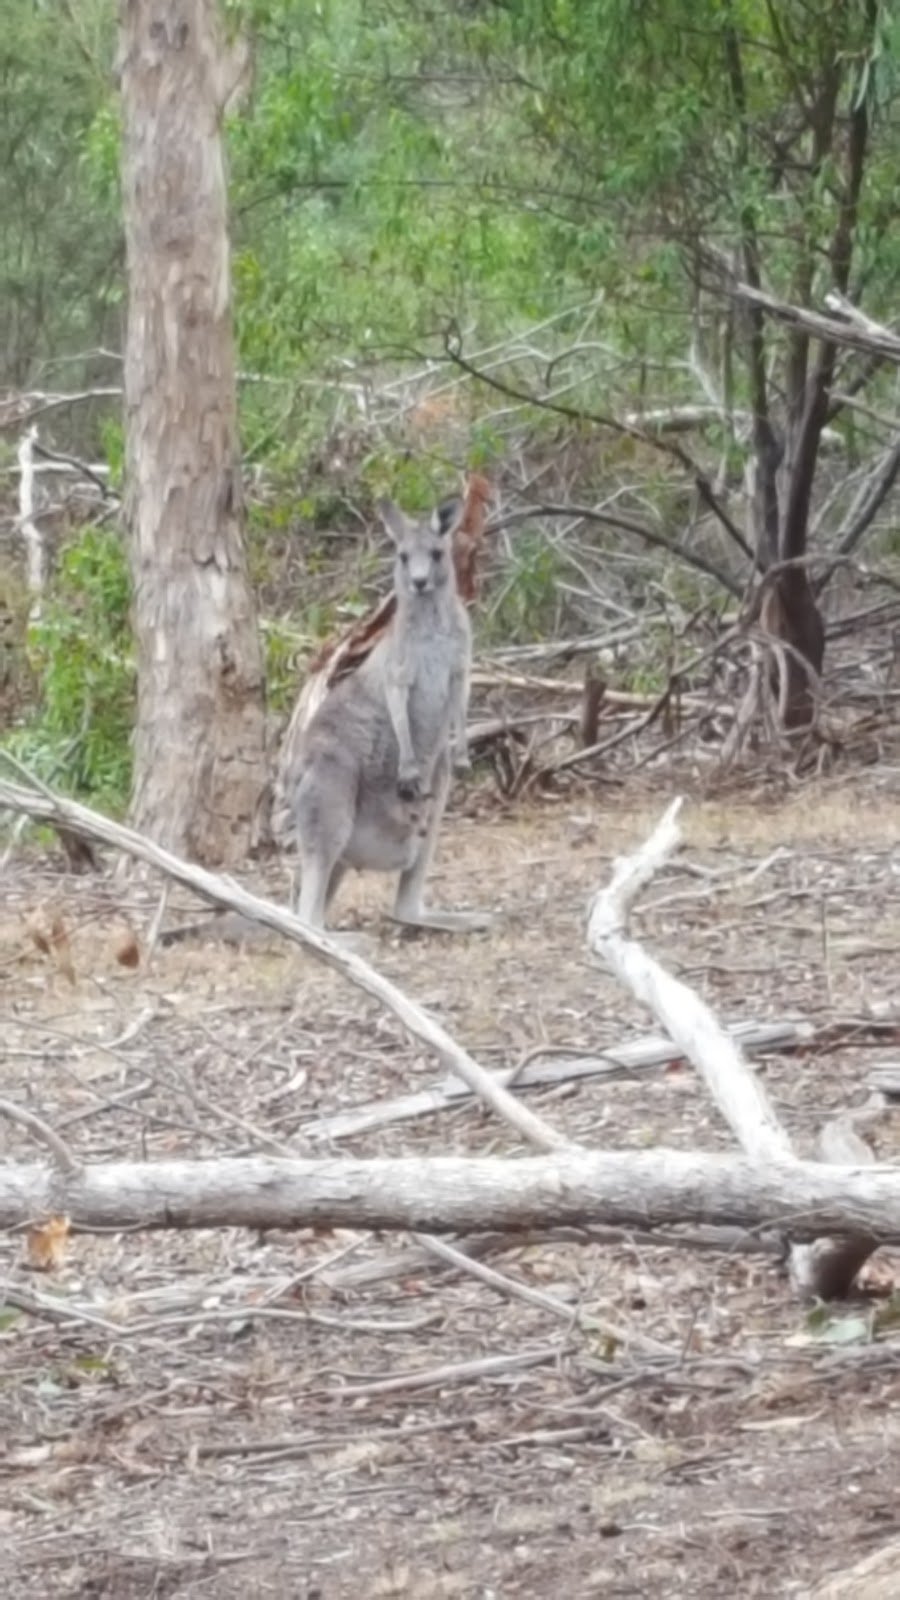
{"points": [[420, 584]]}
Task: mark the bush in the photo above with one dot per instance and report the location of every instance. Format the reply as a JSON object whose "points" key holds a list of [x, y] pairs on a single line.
{"points": [[79, 649]]}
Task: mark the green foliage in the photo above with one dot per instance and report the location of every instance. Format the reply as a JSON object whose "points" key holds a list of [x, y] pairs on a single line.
{"points": [[404, 173], [58, 255], [401, 171], [526, 606], [373, 207], [281, 661], [112, 441], [80, 653]]}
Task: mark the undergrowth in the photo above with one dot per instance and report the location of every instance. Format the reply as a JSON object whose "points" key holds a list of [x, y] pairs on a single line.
{"points": [[77, 735]]}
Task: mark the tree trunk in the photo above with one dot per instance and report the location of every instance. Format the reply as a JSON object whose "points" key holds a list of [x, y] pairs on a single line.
{"points": [[790, 614], [200, 737]]}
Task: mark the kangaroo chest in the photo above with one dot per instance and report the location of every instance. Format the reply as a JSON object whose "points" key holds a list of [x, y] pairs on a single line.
{"points": [[430, 663]]}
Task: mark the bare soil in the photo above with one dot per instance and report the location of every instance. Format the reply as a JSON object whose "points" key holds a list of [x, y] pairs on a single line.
{"points": [[191, 1415]]}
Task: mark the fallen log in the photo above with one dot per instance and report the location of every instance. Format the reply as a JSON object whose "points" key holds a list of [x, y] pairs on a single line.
{"points": [[445, 1194]]}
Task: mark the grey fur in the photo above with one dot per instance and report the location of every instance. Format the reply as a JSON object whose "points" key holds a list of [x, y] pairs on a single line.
{"points": [[370, 776]]}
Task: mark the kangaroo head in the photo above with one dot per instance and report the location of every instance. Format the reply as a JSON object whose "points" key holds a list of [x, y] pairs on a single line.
{"points": [[424, 547]]}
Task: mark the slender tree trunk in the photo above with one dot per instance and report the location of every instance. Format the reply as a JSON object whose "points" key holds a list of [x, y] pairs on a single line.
{"points": [[200, 737], [790, 614]]}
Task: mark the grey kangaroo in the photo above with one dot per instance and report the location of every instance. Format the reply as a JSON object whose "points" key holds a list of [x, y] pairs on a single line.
{"points": [[371, 773]]}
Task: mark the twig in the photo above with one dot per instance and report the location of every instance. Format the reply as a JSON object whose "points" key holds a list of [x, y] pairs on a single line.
{"points": [[58, 1148], [507, 1286], [54, 1310], [691, 558], [457, 1258], [451, 1372]]}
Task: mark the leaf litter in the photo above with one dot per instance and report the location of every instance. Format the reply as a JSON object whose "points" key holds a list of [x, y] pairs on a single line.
{"points": [[339, 1414]]}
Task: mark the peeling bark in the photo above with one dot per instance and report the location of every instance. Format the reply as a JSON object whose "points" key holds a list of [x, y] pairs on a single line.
{"points": [[200, 737]]}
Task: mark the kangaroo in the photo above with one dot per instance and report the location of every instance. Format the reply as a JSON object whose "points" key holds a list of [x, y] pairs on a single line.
{"points": [[369, 776]]}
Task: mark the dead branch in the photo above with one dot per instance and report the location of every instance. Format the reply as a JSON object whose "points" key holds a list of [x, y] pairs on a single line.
{"points": [[846, 310], [623, 699], [860, 333], [94, 475], [621, 1060], [225, 892], [640, 530], [25, 406], [449, 1194], [690, 1023], [656, 440], [829, 1266]]}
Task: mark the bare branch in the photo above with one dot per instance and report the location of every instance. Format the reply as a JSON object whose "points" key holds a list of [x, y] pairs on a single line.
{"points": [[665, 446], [612, 519], [859, 334], [867, 503]]}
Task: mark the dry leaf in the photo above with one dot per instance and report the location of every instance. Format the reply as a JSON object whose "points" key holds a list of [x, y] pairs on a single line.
{"points": [[47, 1244], [52, 939], [126, 949]]}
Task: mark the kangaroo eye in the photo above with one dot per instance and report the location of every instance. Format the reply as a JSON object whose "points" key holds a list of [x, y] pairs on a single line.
{"points": [[437, 555], [404, 559]]}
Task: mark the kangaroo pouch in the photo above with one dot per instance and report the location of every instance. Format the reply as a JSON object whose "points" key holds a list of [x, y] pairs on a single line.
{"points": [[387, 832]]}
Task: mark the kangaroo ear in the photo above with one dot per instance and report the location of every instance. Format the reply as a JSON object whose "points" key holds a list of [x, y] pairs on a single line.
{"points": [[393, 519], [445, 519]]}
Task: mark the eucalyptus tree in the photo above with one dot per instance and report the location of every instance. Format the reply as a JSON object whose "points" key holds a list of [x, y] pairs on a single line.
{"points": [[199, 744]]}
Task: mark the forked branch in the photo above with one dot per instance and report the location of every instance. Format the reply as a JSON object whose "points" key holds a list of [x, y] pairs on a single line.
{"points": [[829, 1266]]}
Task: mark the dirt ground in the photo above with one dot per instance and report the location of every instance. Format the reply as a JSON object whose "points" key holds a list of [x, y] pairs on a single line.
{"points": [[217, 1414]]}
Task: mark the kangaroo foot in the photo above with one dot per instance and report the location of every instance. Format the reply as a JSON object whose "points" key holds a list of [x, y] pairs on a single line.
{"points": [[445, 921]]}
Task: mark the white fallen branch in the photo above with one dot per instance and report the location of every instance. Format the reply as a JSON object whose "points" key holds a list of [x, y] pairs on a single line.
{"points": [[829, 1266], [223, 891], [689, 1023], [453, 1193], [872, 1577]]}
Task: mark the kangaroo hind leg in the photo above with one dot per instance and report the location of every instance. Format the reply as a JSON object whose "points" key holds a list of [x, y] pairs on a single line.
{"points": [[409, 907]]}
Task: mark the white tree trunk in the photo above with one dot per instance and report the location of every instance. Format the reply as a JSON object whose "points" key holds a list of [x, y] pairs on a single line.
{"points": [[200, 736]]}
